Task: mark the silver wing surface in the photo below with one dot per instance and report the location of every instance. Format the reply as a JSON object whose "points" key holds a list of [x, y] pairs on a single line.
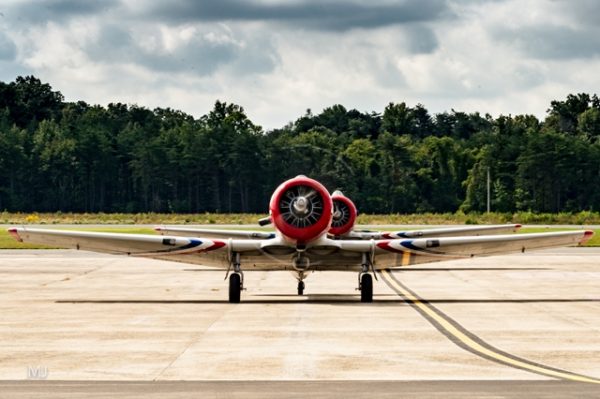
{"points": [[426, 250], [438, 232], [357, 235], [180, 249], [275, 254], [214, 233]]}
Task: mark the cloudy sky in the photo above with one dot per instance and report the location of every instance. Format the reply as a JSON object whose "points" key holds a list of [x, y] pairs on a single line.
{"points": [[278, 58]]}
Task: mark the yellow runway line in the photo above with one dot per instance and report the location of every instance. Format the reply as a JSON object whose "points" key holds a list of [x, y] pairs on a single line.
{"points": [[449, 328]]}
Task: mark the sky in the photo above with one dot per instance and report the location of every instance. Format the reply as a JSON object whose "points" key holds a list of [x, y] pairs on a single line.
{"points": [[278, 58]]}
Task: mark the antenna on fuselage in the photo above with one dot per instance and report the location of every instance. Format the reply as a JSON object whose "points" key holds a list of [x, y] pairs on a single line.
{"points": [[265, 221]]}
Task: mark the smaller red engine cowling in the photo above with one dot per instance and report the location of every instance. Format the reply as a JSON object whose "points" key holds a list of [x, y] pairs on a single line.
{"points": [[301, 209], [344, 214]]}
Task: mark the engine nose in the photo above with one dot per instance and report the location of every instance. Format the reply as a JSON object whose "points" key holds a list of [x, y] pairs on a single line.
{"points": [[301, 209], [301, 206], [344, 214], [337, 214]]}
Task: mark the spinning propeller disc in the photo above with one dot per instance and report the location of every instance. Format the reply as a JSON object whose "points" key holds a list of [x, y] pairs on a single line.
{"points": [[301, 206], [341, 214]]}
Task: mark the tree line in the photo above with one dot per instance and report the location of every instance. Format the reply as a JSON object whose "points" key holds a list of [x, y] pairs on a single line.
{"points": [[73, 156]]}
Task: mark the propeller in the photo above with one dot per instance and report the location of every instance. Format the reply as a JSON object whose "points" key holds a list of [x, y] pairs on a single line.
{"points": [[301, 206], [341, 214]]}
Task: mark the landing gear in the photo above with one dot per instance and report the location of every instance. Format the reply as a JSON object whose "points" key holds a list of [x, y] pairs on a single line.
{"points": [[235, 288], [366, 288], [236, 280], [301, 264], [365, 279]]}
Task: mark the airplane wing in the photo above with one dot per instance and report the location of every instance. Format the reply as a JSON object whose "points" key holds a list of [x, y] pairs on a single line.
{"points": [[214, 233], [405, 252], [360, 235], [274, 254], [208, 252], [437, 232]]}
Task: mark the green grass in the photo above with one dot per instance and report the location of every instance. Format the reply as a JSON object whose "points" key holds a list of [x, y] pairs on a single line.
{"points": [[7, 241], [128, 218], [579, 218]]}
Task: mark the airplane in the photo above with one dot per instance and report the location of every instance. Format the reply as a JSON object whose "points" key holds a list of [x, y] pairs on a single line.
{"points": [[302, 212]]}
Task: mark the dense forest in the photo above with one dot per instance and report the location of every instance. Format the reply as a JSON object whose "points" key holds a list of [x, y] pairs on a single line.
{"points": [[73, 156]]}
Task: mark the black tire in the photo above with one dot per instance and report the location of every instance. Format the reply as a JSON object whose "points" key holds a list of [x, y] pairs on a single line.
{"points": [[235, 288], [300, 287], [366, 288]]}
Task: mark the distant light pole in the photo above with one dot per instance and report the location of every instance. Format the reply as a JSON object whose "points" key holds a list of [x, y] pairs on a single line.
{"points": [[488, 189]]}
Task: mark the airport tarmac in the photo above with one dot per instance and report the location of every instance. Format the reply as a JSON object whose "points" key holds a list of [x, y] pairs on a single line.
{"points": [[475, 325]]}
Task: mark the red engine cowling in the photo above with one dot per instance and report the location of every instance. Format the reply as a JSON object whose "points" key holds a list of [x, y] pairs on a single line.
{"points": [[301, 209], [344, 214]]}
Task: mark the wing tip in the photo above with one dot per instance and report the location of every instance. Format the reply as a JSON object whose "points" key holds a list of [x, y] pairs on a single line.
{"points": [[15, 234], [587, 235]]}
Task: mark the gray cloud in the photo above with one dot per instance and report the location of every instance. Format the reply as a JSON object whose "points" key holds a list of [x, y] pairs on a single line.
{"points": [[389, 75], [421, 39], [257, 56], [8, 49], [553, 42], [324, 15], [10, 70], [201, 55], [58, 10], [117, 45], [582, 12], [528, 76]]}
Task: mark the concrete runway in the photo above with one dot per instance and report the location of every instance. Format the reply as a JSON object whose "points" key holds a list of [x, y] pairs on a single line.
{"points": [[481, 326]]}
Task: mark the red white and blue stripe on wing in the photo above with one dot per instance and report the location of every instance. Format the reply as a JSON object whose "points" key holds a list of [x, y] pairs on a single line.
{"points": [[193, 246], [470, 246], [129, 244], [408, 246]]}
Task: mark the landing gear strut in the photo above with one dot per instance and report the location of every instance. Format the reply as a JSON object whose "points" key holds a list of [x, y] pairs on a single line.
{"points": [[301, 265]]}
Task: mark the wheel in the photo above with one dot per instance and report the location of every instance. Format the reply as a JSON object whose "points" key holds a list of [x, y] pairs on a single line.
{"points": [[366, 288], [300, 287], [235, 288]]}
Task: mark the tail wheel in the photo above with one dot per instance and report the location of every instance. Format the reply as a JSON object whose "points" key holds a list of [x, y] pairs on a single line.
{"points": [[366, 288], [300, 287], [235, 288]]}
